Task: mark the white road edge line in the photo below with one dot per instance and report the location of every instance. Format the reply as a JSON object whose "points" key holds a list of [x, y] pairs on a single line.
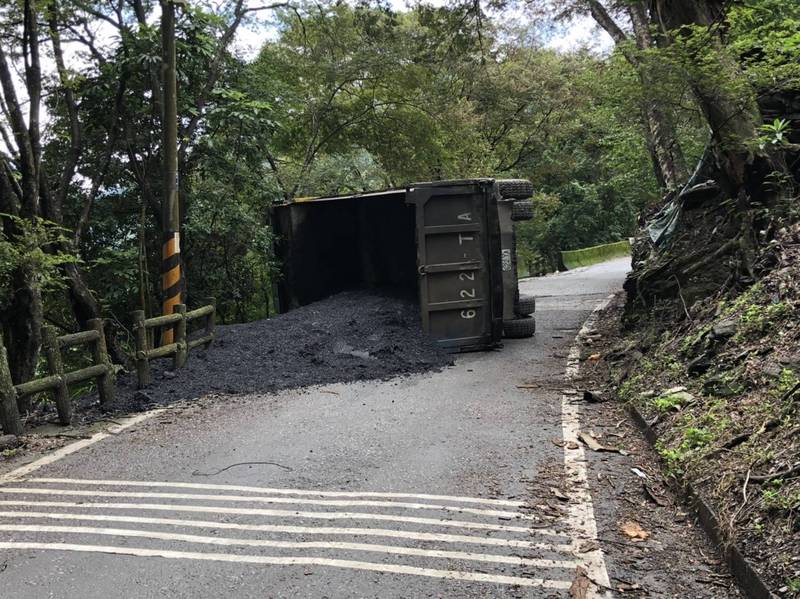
{"points": [[304, 530], [283, 500], [63, 452], [294, 561], [580, 510], [278, 491], [298, 514], [228, 541]]}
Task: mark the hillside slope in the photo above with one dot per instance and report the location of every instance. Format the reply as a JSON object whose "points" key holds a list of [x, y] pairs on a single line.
{"points": [[721, 388]]}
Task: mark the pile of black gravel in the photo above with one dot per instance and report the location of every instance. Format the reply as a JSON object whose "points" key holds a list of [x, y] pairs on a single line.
{"points": [[352, 336]]}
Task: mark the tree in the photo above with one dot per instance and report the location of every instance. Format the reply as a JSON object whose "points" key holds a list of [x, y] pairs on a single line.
{"points": [[23, 178], [100, 115], [668, 161], [696, 31]]}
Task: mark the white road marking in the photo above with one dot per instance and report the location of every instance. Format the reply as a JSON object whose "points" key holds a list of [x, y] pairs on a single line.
{"points": [[580, 509], [285, 500], [200, 539], [304, 530], [293, 514], [63, 452], [274, 491], [295, 561]]}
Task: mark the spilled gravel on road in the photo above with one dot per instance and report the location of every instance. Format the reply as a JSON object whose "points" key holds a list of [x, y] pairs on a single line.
{"points": [[352, 336]]}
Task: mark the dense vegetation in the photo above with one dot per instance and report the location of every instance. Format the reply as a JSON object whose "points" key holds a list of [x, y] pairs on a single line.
{"points": [[346, 97]]}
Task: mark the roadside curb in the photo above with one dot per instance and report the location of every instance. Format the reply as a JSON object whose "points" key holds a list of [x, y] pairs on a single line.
{"points": [[55, 455], [581, 513], [743, 571]]}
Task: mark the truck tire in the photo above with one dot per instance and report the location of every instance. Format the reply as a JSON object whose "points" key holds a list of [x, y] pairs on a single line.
{"points": [[519, 328], [526, 305], [522, 210], [519, 189]]}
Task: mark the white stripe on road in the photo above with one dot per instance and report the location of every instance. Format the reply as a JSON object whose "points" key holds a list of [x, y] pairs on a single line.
{"points": [[63, 452], [297, 514], [227, 541], [274, 491], [580, 510], [283, 500], [295, 561], [304, 530]]}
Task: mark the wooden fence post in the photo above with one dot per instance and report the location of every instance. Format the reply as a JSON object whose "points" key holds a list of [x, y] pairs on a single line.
{"points": [[9, 412], [142, 365], [106, 382], [181, 350], [56, 366], [211, 320]]}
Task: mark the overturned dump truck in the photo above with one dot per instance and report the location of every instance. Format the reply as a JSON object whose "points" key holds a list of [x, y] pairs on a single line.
{"points": [[451, 243]]}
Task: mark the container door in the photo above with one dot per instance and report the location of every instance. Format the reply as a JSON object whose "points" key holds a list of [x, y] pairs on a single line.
{"points": [[457, 243]]}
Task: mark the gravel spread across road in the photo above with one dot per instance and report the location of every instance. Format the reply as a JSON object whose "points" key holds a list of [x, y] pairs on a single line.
{"points": [[352, 336]]}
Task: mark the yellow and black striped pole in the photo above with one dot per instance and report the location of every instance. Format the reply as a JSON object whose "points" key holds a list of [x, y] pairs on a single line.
{"points": [[171, 277]]}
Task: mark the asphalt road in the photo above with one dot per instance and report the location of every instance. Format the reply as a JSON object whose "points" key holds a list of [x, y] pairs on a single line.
{"points": [[434, 485]]}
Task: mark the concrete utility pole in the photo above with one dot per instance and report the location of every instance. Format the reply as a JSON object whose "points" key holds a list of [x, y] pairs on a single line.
{"points": [[171, 276]]}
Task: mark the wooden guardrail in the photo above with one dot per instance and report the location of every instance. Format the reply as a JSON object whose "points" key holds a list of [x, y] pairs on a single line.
{"points": [[58, 380], [179, 350]]}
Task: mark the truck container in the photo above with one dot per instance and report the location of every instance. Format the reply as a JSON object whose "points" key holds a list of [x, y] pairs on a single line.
{"points": [[440, 241]]}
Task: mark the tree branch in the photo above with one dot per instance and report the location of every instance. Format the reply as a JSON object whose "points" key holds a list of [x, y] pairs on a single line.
{"points": [[214, 71], [97, 182], [606, 21], [27, 165], [75, 130], [33, 80]]}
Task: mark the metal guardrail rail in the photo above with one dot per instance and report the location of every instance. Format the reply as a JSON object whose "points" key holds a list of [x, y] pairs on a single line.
{"points": [[593, 255], [180, 347], [58, 380]]}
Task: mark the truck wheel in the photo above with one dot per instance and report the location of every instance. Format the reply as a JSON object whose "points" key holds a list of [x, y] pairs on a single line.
{"points": [[519, 328], [526, 305], [522, 211], [519, 189]]}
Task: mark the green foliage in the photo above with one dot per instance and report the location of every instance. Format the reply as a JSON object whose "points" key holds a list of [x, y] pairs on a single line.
{"points": [[354, 172], [347, 97], [787, 381], [774, 134], [778, 496], [694, 438], [231, 252], [793, 585], [689, 343], [676, 457], [666, 403], [756, 320], [766, 36], [120, 266], [673, 459], [32, 245], [628, 388], [370, 97]]}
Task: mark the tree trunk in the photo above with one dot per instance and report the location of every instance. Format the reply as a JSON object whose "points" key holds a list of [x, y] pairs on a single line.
{"points": [[732, 115], [23, 320], [669, 165], [666, 148]]}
